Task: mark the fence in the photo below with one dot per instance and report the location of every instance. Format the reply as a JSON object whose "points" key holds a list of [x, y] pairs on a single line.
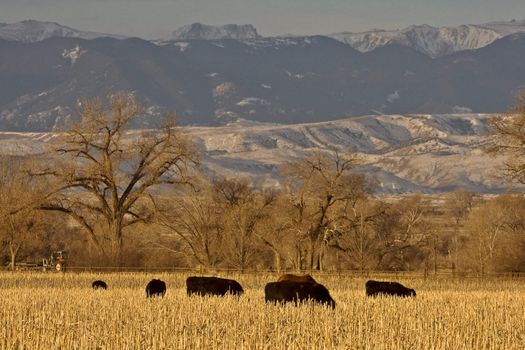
{"points": [[444, 273]]}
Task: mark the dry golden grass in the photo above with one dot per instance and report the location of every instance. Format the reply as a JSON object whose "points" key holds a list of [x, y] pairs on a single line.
{"points": [[61, 311]]}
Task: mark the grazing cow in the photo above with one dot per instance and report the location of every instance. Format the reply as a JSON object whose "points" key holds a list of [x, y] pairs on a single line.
{"points": [[212, 286], [375, 288], [155, 288], [291, 291], [296, 278], [98, 284]]}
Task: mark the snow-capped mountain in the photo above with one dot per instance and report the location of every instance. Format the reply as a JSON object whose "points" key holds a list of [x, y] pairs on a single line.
{"points": [[198, 31], [405, 153], [31, 31], [432, 41]]}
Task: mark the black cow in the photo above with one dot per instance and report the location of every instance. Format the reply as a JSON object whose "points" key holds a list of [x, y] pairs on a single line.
{"points": [[212, 286], [155, 288], [98, 284], [292, 291], [375, 288]]}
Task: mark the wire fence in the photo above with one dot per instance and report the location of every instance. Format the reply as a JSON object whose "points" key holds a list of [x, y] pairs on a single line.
{"points": [[444, 273]]}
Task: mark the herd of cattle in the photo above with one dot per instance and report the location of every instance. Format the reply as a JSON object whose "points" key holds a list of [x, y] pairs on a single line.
{"points": [[288, 288]]}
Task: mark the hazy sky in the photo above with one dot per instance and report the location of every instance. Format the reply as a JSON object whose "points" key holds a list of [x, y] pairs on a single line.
{"points": [[155, 18]]}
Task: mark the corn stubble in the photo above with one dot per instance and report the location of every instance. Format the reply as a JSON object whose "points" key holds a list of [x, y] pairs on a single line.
{"points": [[61, 311]]}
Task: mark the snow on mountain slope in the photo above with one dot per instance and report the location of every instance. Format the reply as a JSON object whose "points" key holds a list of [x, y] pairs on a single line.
{"points": [[206, 32], [432, 41], [32, 31], [416, 153]]}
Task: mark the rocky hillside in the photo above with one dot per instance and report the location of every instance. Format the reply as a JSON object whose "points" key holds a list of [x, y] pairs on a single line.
{"points": [[418, 153], [433, 41], [199, 31]]}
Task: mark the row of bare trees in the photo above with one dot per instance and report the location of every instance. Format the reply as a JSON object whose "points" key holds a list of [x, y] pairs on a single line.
{"points": [[117, 196]]}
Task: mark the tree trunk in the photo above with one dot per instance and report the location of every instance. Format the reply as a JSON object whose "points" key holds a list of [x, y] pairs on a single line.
{"points": [[241, 265], [116, 243], [311, 255], [299, 260], [13, 251], [13, 262], [116, 252], [455, 247], [434, 254], [320, 258], [277, 259]]}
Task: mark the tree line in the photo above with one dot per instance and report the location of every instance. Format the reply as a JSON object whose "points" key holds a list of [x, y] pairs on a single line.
{"points": [[116, 196]]}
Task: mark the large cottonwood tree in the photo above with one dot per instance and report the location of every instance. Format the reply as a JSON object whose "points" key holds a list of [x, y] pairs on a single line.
{"points": [[317, 184], [107, 176]]}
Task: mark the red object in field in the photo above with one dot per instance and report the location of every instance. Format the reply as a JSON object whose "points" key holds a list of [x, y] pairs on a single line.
{"points": [[56, 262]]}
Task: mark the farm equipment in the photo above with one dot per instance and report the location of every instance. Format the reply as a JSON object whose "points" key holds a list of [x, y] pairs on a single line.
{"points": [[56, 262]]}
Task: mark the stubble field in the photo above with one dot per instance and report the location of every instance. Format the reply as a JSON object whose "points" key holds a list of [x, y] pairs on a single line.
{"points": [[61, 311]]}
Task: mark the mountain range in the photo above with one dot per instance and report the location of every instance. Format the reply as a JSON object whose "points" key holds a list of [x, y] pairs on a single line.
{"points": [[429, 40], [220, 74]]}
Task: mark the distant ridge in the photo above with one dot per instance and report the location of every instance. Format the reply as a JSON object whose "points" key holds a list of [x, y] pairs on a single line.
{"points": [[30, 31], [199, 31], [433, 41]]}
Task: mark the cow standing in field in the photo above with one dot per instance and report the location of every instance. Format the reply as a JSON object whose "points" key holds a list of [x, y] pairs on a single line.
{"points": [[375, 288], [296, 278], [291, 291], [98, 284], [155, 288], [212, 286]]}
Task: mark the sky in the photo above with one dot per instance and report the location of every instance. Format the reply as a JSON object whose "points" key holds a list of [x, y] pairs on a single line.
{"points": [[157, 18]]}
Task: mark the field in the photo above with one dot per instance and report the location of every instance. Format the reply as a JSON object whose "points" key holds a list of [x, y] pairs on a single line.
{"points": [[61, 311]]}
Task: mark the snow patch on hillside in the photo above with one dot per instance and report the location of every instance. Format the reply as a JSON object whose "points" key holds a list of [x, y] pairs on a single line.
{"points": [[182, 45], [73, 54], [405, 153]]}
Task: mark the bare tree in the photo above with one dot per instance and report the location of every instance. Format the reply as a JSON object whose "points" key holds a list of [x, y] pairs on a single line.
{"points": [[196, 219], [278, 233], [512, 244], [486, 226], [20, 196], [109, 175], [404, 232], [411, 209], [317, 184], [355, 233], [508, 139], [243, 208], [458, 205]]}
